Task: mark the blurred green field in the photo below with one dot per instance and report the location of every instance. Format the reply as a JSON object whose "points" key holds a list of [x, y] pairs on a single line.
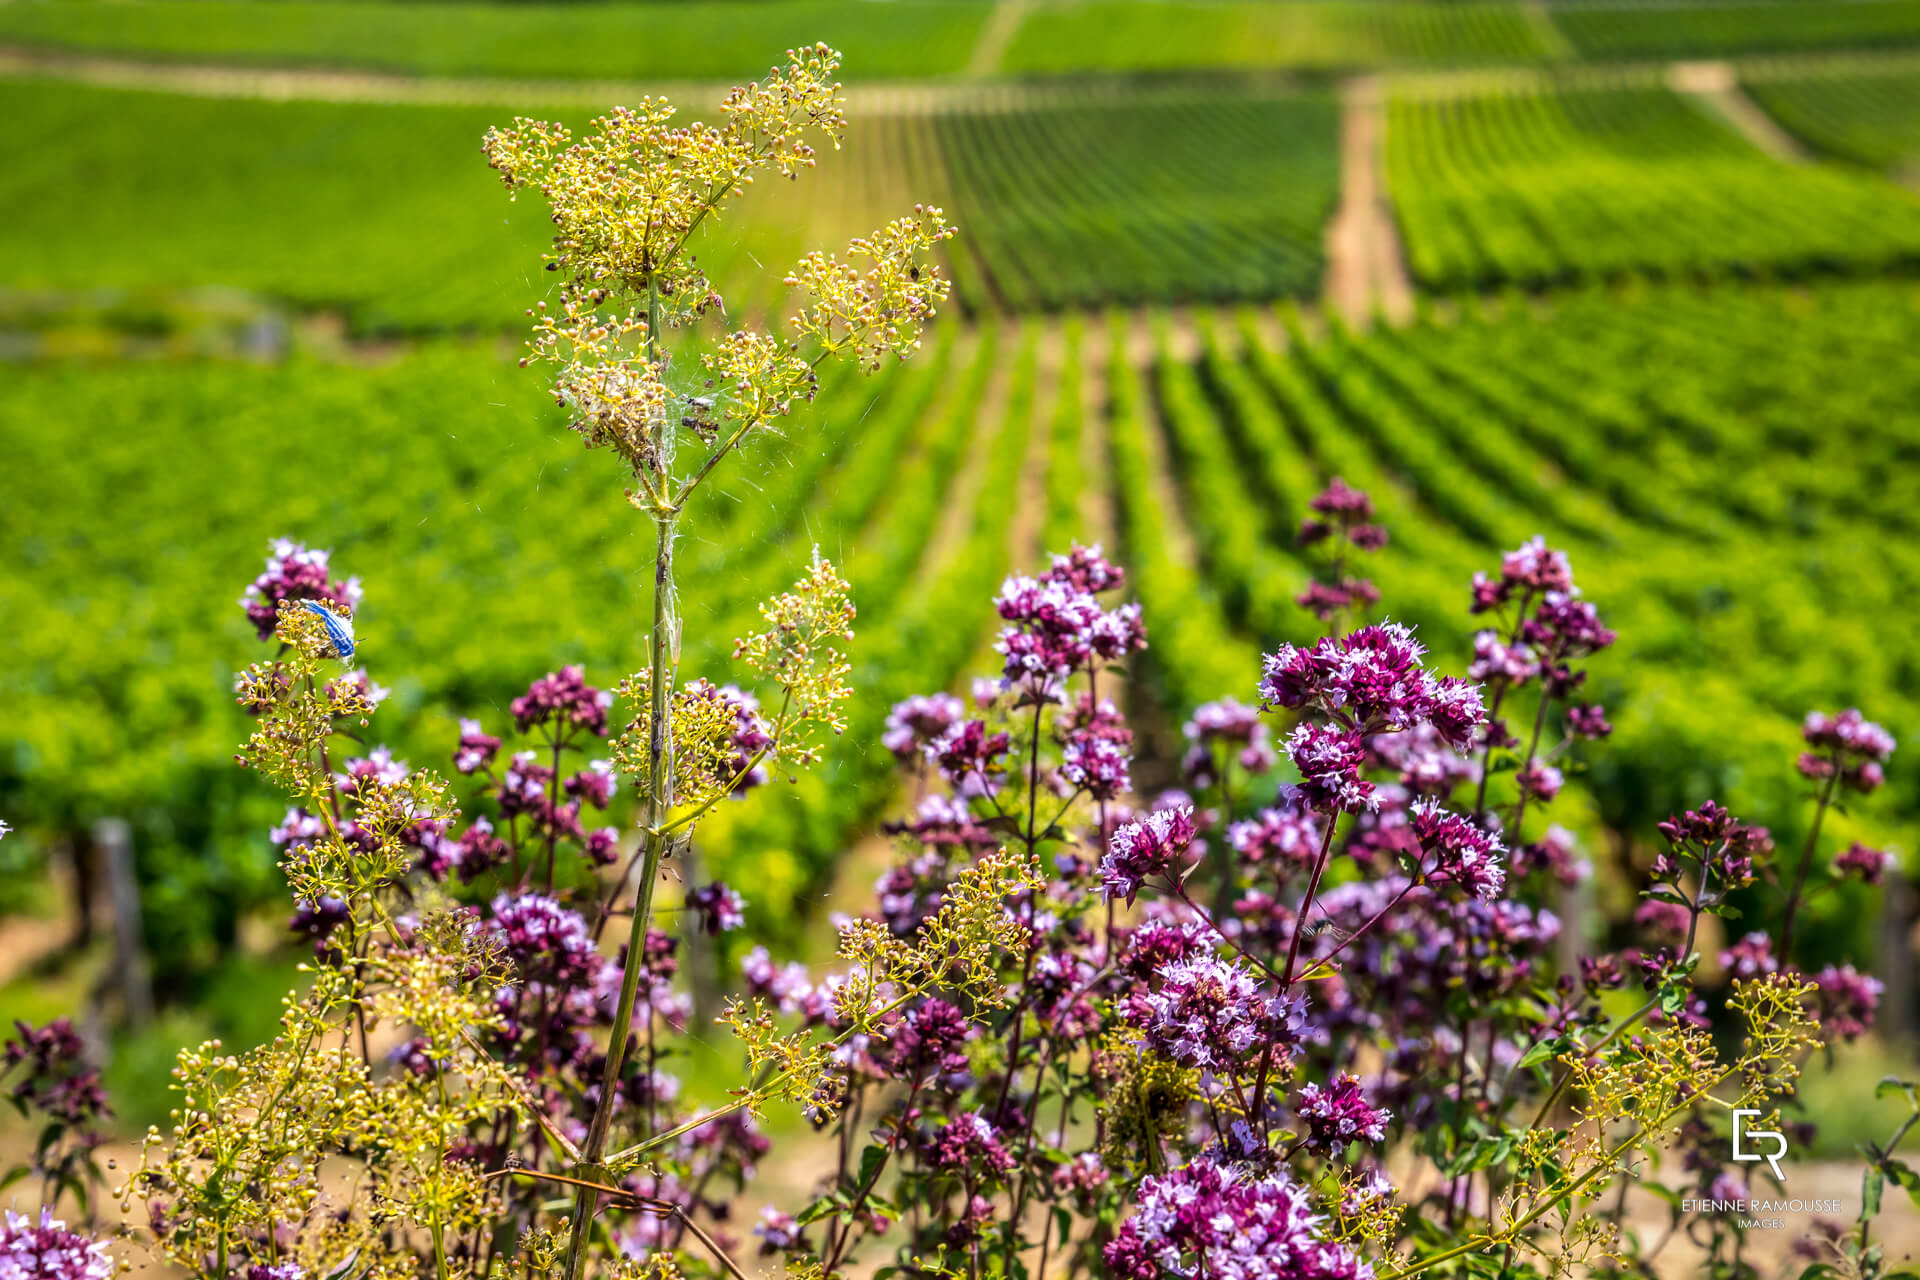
{"points": [[1868, 116], [1539, 187], [721, 40]]}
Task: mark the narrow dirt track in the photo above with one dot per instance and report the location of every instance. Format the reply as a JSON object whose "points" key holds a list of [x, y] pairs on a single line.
{"points": [[1717, 85], [1366, 269]]}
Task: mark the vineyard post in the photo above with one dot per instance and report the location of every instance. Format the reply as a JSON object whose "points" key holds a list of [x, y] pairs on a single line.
{"points": [[1897, 922], [113, 838]]}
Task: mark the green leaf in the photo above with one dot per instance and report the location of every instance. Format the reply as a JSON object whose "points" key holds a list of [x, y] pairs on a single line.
{"points": [[824, 1207], [1539, 1053], [872, 1160], [1871, 1186], [1894, 1084]]}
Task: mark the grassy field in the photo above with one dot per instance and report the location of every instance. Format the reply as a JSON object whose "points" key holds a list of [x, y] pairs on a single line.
{"points": [[732, 39], [1867, 117], [1538, 187], [1663, 30]]}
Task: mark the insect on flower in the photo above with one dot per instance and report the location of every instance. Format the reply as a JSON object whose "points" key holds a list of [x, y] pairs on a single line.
{"points": [[339, 628]]}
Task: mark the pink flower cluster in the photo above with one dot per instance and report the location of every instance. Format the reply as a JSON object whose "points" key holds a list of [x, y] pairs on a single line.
{"points": [[295, 573]]}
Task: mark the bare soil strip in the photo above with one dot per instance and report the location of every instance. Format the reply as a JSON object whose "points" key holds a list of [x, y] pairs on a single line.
{"points": [[347, 84], [1717, 85], [964, 493], [995, 36], [1366, 270]]}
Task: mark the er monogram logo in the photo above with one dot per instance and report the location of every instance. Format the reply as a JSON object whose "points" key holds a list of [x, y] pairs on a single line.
{"points": [[1740, 1152]]}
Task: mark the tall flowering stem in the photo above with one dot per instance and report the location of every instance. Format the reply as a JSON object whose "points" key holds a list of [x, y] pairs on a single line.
{"points": [[627, 201]]}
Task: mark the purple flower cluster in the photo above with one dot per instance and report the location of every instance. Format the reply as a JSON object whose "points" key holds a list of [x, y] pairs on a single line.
{"points": [[1847, 1000], [1230, 724], [718, 908], [1339, 1114], [1716, 840], [1056, 626], [1372, 681], [1206, 1012], [1155, 845], [58, 1081], [1343, 515], [476, 750], [1849, 744], [1455, 851], [970, 1142], [1213, 1220], [46, 1250], [295, 573], [547, 942], [564, 700], [1869, 864], [918, 721], [1284, 835]]}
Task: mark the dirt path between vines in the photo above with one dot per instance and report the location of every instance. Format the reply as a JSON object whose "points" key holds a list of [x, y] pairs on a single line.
{"points": [[995, 35], [1717, 86], [1366, 269]]}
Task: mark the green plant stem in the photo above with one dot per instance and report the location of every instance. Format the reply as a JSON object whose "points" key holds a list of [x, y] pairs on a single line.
{"points": [[1806, 863], [659, 801]]}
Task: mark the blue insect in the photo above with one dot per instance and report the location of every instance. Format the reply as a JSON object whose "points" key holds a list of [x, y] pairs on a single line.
{"points": [[339, 629]]}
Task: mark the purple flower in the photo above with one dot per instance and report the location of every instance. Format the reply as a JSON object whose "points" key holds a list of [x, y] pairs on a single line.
{"points": [[1588, 721], [1239, 726], [1140, 850], [1086, 569], [970, 1141], [1751, 957], [1096, 764], [48, 1251], [1339, 1114], [721, 910], [563, 697], [1849, 733], [1203, 1011], [778, 1231], [481, 850], [1057, 628], [59, 1080], [1214, 1220], [476, 750], [1327, 600], [1553, 852], [596, 784], [1663, 917], [295, 573], [1286, 835], [1540, 780], [1341, 499], [1372, 680], [1494, 660], [1455, 851], [918, 721], [1329, 759], [1717, 840], [1847, 1000], [1871, 865], [546, 941], [967, 755], [603, 846], [1161, 942], [1857, 746]]}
